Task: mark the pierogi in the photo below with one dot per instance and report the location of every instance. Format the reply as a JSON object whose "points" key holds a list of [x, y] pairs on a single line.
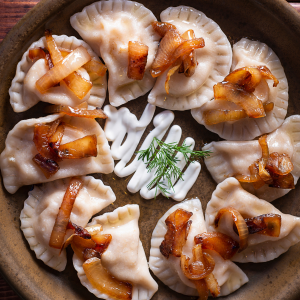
{"points": [[41, 208], [261, 248], [229, 276], [24, 95], [108, 26], [247, 53], [229, 158], [214, 61], [16, 162], [125, 257]]}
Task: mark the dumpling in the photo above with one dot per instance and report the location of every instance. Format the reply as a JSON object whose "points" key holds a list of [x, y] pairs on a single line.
{"points": [[41, 208], [260, 248], [16, 162], [108, 26], [252, 53], [125, 257], [24, 95], [214, 61], [229, 276], [229, 158]]}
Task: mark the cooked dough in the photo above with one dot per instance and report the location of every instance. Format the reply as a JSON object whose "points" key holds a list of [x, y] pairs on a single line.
{"points": [[248, 53], [261, 248], [41, 208], [214, 61], [108, 26], [229, 158], [16, 162], [125, 257], [229, 276], [24, 95]]}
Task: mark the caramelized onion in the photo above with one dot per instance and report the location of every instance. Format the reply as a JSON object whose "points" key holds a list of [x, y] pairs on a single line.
{"points": [[162, 27], [167, 46], [279, 164], [266, 73], [236, 94], [82, 232], [178, 228], [212, 285], [283, 181], [94, 229], [264, 146], [75, 82], [216, 116], [63, 216], [169, 74], [102, 242], [189, 61], [239, 76], [78, 85], [239, 222], [41, 141], [137, 60], [248, 178], [267, 224], [254, 170], [81, 148], [55, 140], [94, 66], [61, 70], [76, 111], [48, 166], [201, 289], [37, 53], [219, 242], [203, 264], [90, 253], [101, 280]]}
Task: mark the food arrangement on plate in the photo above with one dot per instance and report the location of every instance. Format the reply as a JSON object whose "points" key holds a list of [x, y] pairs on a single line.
{"points": [[186, 62]]}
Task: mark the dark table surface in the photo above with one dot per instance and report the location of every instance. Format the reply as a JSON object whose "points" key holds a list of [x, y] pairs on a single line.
{"points": [[11, 11]]}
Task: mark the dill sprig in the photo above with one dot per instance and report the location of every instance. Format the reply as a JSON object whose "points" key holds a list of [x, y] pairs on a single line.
{"points": [[161, 157]]}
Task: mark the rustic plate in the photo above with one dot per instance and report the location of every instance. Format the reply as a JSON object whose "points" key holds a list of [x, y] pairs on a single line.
{"points": [[271, 21]]}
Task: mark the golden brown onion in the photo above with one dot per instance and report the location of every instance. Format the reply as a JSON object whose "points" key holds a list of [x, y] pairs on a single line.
{"points": [[137, 60], [216, 116], [48, 166], [55, 140], [101, 280], [178, 228], [162, 27], [267, 224], [163, 58], [219, 242], [65, 67], [63, 216], [283, 181], [203, 264], [236, 94], [266, 73], [254, 170], [201, 289], [169, 74], [239, 222], [76, 111], [81, 148], [212, 285], [239, 76], [94, 66], [248, 178]]}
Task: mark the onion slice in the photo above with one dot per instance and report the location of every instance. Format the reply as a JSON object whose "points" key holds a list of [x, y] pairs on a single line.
{"points": [[239, 222], [169, 74], [219, 242], [101, 280], [178, 228], [203, 264], [137, 60], [236, 94], [63, 216], [65, 67], [201, 289], [216, 116], [48, 166], [81, 148], [162, 27], [267, 224], [212, 285]]}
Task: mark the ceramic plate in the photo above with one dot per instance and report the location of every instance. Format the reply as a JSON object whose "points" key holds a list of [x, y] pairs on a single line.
{"points": [[273, 22]]}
